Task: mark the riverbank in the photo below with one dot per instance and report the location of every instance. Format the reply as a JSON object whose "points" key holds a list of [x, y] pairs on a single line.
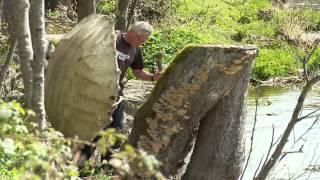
{"points": [[291, 81]]}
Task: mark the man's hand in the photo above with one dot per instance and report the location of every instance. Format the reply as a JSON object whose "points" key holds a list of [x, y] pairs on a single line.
{"points": [[140, 73], [157, 75]]}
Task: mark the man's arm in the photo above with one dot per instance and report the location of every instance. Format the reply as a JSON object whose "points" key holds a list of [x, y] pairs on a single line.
{"points": [[140, 73]]}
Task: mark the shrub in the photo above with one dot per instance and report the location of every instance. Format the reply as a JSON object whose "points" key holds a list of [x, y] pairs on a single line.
{"points": [[107, 7], [168, 43], [26, 152], [314, 62], [274, 62]]}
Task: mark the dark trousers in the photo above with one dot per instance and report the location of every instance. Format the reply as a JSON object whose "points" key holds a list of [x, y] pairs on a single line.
{"points": [[116, 123]]}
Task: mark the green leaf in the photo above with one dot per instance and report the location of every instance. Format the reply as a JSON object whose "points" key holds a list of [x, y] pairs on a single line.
{"points": [[5, 114], [8, 146]]}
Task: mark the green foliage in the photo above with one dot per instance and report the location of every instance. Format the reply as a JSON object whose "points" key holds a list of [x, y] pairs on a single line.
{"points": [[128, 163], [274, 62], [153, 11], [52, 14], [237, 21], [4, 46], [107, 7], [227, 22], [26, 152], [132, 163], [308, 19], [129, 74], [314, 61], [168, 43]]}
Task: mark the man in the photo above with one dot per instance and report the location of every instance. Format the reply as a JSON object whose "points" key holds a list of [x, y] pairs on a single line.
{"points": [[128, 55]]}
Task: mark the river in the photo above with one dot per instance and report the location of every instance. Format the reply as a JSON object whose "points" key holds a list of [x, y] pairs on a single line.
{"points": [[275, 109]]}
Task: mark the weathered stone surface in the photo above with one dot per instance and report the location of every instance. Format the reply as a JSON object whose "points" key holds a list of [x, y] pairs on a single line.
{"points": [[194, 82], [135, 94], [82, 79]]}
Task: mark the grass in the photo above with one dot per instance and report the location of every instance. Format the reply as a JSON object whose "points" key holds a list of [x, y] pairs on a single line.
{"points": [[235, 22]]}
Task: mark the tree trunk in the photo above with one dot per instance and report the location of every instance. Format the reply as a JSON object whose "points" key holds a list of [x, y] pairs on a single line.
{"points": [[121, 18], [37, 26], [1, 14], [193, 83], [85, 8], [131, 12], [219, 148], [5, 67], [25, 53], [51, 5], [7, 14]]}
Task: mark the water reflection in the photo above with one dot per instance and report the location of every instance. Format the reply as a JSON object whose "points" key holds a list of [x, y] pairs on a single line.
{"points": [[275, 107]]}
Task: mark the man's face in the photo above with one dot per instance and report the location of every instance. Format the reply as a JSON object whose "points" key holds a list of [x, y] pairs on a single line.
{"points": [[137, 39]]}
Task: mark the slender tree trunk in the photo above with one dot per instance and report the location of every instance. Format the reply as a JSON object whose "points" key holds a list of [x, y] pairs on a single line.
{"points": [[121, 18], [1, 13], [37, 26], [51, 4], [25, 52], [131, 12], [5, 67], [85, 8], [220, 137], [7, 14]]}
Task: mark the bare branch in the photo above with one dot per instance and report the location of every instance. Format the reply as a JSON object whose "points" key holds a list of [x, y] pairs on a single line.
{"points": [[303, 117], [278, 151], [270, 147], [314, 122], [258, 167], [252, 135], [307, 58]]}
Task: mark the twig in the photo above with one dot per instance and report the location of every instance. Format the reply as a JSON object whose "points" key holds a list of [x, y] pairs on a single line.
{"points": [[284, 154], [252, 135], [305, 170], [258, 167], [307, 58], [303, 117], [277, 140], [277, 153], [270, 147], [312, 160], [314, 122]]}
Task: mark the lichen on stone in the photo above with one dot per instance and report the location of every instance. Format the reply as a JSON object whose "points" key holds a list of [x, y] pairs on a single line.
{"points": [[235, 67], [171, 111]]}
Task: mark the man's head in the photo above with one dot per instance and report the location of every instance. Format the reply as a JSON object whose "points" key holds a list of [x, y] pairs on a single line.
{"points": [[139, 33]]}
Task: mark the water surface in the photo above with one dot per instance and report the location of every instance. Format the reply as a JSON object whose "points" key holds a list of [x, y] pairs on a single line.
{"points": [[275, 107]]}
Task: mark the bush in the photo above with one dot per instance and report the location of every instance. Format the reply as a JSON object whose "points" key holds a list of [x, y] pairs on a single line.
{"points": [[26, 152], [107, 7], [168, 43], [314, 62], [274, 62]]}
